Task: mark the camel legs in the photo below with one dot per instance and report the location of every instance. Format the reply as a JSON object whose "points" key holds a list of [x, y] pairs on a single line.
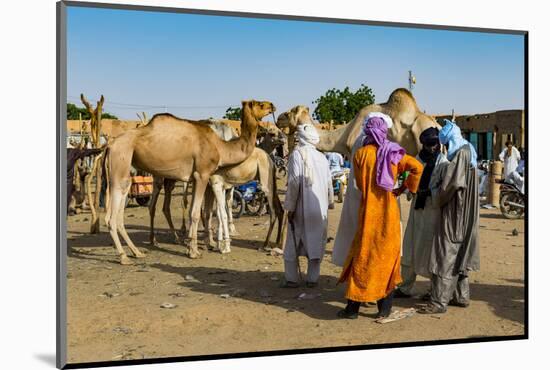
{"points": [[117, 199], [229, 209], [158, 183], [207, 217], [168, 188], [198, 195], [122, 230], [224, 242], [184, 207], [267, 181]]}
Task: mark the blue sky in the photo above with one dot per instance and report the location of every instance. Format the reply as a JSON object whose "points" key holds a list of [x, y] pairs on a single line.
{"points": [[198, 65]]}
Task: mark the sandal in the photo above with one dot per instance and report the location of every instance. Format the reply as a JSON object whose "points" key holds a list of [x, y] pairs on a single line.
{"points": [[343, 314], [454, 302], [289, 284], [396, 315], [431, 309]]}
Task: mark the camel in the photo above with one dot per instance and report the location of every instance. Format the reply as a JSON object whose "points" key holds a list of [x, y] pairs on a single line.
{"points": [[272, 140], [166, 148], [409, 122], [225, 132], [258, 166]]}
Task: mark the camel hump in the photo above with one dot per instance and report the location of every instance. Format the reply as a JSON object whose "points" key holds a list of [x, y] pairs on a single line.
{"points": [[402, 97]]}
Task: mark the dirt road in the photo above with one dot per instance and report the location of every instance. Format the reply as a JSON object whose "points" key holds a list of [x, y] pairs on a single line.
{"points": [[114, 311]]}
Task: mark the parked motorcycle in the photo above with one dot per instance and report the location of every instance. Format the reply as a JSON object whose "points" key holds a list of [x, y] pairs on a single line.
{"points": [[512, 201], [249, 198], [280, 164]]}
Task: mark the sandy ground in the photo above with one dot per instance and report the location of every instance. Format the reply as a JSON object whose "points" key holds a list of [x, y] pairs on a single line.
{"points": [[114, 311]]}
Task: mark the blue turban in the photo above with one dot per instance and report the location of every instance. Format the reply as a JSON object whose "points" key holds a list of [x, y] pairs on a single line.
{"points": [[450, 133]]}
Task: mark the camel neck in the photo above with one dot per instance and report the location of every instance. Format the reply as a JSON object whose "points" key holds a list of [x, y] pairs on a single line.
{"points": [[237, 150], [329, 141]]}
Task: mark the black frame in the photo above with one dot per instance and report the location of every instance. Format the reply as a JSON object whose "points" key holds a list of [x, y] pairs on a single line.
{"points": [[61, 253]]}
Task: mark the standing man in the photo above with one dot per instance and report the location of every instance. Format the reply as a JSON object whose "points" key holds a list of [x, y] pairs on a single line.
{"points": [[455, 252], [511, 157], [335, 162], [371, 269], [423, 215], [352, 201], [308, 197]]}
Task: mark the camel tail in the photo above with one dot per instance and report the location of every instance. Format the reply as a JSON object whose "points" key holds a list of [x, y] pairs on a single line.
{"points": [[107, 171]]}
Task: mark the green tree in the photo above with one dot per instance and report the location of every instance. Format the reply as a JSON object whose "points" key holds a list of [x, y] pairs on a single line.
{"points": [[341, 106], [233, 113], [73, 112]]}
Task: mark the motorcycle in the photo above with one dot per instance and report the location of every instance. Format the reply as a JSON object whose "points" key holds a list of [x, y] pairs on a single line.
{"points": [[280, 164], [512, 201], [250, 198]]}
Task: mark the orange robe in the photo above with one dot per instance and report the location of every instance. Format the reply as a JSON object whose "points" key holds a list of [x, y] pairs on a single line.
{"points": [[372, 265]]}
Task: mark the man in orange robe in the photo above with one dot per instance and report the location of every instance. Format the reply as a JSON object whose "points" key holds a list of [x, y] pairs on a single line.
{"points": [[372, 265]]}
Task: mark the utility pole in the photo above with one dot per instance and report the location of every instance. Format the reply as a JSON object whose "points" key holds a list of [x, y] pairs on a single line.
{"points": [[412, 80]]}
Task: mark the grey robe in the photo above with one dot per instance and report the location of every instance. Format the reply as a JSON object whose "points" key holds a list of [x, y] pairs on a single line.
{"points": [[419, 234], [455, 250]]}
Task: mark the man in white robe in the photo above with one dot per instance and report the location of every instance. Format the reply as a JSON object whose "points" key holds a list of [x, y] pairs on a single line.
{"points": [[511, 157], [352, 200], [308, 198], [335, 162]]}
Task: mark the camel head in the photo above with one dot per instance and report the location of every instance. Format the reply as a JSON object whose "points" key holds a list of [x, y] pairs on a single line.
{"points": [[298, 115], [275, 134], [258, 109], [409, 121]]}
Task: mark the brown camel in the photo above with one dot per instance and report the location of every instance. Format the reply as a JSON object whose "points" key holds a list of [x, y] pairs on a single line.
{"points": [[408, 124], [168, 149], [258, 166]]}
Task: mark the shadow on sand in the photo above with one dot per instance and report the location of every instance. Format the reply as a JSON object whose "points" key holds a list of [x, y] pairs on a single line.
{"points": [[506, 301]]}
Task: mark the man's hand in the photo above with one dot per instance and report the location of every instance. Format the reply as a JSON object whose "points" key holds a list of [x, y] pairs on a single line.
{"points": [[397, 192], [331, 206]]}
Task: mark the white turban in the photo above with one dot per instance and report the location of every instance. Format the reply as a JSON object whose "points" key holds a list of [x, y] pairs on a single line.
{"points": [[385, 117], [307, 137]]}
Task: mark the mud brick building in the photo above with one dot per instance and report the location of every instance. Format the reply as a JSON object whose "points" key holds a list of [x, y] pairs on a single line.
{"points": [[488, 132]]}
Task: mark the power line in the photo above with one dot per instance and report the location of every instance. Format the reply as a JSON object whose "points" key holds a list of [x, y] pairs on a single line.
{"points": [[75, 99]]}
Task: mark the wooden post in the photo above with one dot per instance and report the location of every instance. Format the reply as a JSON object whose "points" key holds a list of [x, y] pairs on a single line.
{"points": [[284, 232], [495, 174], [95, 131]]}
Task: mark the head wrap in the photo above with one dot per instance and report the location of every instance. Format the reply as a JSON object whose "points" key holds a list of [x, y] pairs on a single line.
{"points": [[307, 137], [428, 137], [450, 133], [375, 129]]}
